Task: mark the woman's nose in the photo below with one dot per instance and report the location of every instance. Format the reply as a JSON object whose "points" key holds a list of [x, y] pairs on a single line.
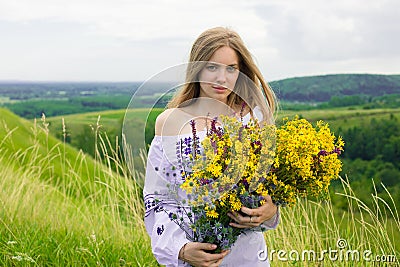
{"points": [[221, 76]]}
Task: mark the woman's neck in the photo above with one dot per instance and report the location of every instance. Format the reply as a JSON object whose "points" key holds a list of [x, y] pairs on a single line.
{"points": [[203, 106]]}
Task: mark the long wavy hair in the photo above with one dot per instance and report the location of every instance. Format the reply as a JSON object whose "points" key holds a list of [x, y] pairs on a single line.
{"points": [[250, 86]]}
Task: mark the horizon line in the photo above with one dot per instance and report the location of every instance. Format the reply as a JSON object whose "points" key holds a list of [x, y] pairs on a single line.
{"points": [[141, 81]]}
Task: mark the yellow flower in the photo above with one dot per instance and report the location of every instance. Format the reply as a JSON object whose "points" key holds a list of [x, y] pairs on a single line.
{"points": [[211, 213], [298, 169], [214, 169], [260, 189], [235, 202]]}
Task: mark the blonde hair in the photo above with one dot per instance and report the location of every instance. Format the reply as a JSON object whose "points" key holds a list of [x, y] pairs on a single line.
{"points": [[203, 49]]}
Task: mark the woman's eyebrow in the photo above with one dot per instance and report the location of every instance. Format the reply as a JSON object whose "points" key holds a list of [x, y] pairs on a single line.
{"points": [[221, 64]]}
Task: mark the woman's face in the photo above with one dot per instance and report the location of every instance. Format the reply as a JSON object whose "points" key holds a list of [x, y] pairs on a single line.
{"points": [[218, 77]]}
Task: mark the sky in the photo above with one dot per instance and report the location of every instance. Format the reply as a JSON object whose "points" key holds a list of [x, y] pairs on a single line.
{"points": [[130, 40]]}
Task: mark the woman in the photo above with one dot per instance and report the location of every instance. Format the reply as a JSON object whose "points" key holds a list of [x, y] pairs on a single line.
{"points": [[220, 77]]}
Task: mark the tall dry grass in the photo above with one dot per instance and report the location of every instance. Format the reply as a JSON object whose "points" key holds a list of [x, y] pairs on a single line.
{"points": [[359, 236], [59, 207]]}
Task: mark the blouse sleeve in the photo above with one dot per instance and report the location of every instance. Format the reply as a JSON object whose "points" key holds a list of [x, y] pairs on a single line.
{"points": [[273, 222], [167, 238]]}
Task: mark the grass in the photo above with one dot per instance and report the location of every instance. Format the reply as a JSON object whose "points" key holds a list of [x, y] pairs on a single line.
{"points": [[361, 230], [109, 117], [79, 126], [61, 207]]}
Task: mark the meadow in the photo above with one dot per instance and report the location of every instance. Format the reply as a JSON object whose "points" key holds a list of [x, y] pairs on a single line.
{"points": [[341, 117], [372, 149], [63, 207]]}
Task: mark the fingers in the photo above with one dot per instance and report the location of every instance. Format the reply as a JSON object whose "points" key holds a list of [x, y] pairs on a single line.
{"points": [[241, 221], [218, 262], [250, 212], [214, 260], [268, 198], [205, 246], [253, 217], [216, 257], [197, 254], [260, 210]]}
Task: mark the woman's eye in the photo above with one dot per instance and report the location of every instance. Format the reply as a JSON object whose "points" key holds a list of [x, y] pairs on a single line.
{"points": [[211, 67], [230, 69]]}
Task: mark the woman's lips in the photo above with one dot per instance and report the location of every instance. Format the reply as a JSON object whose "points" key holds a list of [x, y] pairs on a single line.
{"points": [[219, 88]]}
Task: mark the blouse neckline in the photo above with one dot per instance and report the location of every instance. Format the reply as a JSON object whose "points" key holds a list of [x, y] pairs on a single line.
{"points": [[185, 134]]}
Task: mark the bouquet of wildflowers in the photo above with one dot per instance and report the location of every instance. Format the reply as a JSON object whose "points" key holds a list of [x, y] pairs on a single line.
{"points": [[240, 164], [306, 161]]}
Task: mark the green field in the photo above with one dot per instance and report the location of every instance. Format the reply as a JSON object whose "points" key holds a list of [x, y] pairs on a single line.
{"points": [[337, 117], [344, 117], [110, 120], [81, 128], [61, 207]]}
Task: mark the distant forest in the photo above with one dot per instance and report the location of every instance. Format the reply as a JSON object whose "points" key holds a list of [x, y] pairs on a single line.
{"points": [[30, 100], [323, 88]]}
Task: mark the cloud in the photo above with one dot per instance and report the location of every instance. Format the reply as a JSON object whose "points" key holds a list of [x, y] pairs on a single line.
{"points": [[333, 30], [125, 39], [139, 20]]}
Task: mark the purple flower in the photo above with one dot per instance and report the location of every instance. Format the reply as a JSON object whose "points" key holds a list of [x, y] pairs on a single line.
{"points": [[204, 181], [240, 133], [225, 243], [337, 151], [213, 123], [272, 186], [323, 153], [214, 129], [195, 142], [242, 111], [187, 141], [246, 184], [187, 151]]}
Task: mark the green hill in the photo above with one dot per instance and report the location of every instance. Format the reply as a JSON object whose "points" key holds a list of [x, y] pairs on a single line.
{"points": [[322, 88], [81, 129], [60, 207]]}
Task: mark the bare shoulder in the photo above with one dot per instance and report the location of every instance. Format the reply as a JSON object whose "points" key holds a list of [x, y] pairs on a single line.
{"points": [[163, 116], [169, 121]]}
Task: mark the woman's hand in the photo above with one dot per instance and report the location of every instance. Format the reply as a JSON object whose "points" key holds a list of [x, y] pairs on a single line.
{"points": [[197, 254], [253, 217]]}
